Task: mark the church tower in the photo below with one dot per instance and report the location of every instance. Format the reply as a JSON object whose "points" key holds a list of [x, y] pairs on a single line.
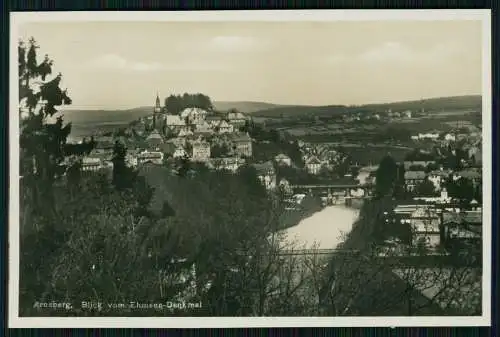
{"points": [[157, 110]]}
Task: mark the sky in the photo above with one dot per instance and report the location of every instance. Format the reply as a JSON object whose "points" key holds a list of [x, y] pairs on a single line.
{"points": [[114, 65]]}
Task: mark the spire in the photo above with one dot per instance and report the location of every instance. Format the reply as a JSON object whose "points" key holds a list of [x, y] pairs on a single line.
{"points": [[157, 108]]}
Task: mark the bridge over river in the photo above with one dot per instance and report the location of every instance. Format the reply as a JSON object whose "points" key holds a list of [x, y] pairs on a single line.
{"points": [[330, 188]]}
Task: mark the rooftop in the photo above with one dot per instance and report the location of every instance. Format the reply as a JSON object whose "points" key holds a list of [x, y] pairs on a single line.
{"points": [[415, 175]]}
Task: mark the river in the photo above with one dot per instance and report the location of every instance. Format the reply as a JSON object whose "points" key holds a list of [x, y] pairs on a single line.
{"points": [[324, 229]]}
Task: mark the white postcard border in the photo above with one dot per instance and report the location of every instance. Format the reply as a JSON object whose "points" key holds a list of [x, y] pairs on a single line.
{"points": [[18, 18]]}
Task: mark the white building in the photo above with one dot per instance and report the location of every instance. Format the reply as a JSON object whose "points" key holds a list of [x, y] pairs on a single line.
{"points": [[229, 163], [201, 151], [154, 157], [313, 165], [283, 159], [179, 152], [91, 164], [424, 224], [431, 136], [224, 127]]}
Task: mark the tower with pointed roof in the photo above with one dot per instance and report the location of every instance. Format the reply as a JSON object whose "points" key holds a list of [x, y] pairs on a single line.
{"points": [[157, 110]]}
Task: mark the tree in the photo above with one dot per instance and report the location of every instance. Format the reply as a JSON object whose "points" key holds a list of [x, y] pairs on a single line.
{"points": [[426, 189], [386, 176], [43, 142], [461, 189], [45, 157], [219, 151]]}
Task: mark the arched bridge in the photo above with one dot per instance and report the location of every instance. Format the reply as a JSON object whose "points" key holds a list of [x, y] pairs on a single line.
{"points": [[329, 188]]}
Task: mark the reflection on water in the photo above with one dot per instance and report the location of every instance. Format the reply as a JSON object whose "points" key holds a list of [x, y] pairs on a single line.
{"points": [[324, 228]]}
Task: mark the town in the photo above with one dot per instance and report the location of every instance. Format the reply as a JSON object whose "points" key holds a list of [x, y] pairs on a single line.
{"points": [[441, 170], [248, 208]]}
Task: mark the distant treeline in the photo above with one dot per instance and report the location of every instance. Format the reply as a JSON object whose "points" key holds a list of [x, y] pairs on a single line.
{"points": [[433, 104], [174, 104]]}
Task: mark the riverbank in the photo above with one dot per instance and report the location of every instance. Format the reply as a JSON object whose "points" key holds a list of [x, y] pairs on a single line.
{"points": [[325, 229], [292, 217]]}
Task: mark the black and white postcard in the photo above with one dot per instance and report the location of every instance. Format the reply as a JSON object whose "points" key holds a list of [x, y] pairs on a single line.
{"points": [[250, 169]]}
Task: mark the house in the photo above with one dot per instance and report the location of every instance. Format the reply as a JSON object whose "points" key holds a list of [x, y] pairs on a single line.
{"points": [[179, 152], [174, 121], [154, 140], [449, 137], [285, 186], [213, 120], [472, 174], [266, 174], [283, 159], [229, 163], [413, 178], [431, 136], [407, 114], [437, 177], [203, 128], [441, 199], [313, 165], [194, 115], [91, 164], [201, 151], [423, 163], [463, 226], [242, 144], [185, 132], [224, 127], [236, 118], [425, 227], [154, 157], [131, 159], [414, 138]]}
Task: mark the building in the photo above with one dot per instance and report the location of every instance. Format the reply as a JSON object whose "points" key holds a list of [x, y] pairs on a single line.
{"points": [[465, 226], [223, 127], [194, 115], [91, 164], [242, 144], [154, 140], [179, 152], [425, 227], [449, 137], [104, 142], [154, 157], [473, 175], [236, 119], [156, 111], [313, 165], [443, 198], [201, 151], [266, 174], [174, 121], [131, 159], [185, 132], [283, 159], [229, 163], [413, 178], [438, 177], [430, 136], [407, 114], [204, 128], [285, 186]]}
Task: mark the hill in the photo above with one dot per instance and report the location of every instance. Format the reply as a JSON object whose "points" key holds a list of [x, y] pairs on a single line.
{"points": [[246, 107], [430, 105]]}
